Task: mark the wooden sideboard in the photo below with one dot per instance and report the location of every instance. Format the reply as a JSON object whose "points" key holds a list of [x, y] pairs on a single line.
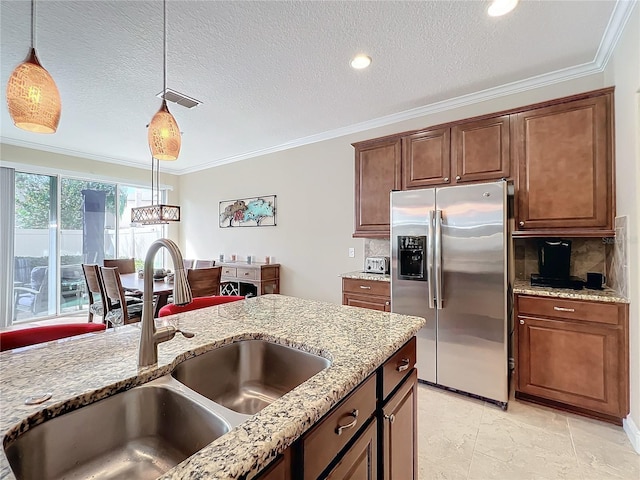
{"points": [[242, 278]]}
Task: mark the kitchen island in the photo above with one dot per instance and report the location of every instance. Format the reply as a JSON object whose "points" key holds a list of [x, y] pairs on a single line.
{"points": [[81, 370]]}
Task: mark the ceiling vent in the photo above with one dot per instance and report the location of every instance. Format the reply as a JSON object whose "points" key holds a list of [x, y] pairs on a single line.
{"points": [[179, 98]]}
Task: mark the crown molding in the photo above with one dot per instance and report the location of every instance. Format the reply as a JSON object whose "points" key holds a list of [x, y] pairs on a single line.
{"points": [[619, 17]]}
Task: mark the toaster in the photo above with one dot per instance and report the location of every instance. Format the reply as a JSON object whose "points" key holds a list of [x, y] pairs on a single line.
{"points": [[376, 265]]}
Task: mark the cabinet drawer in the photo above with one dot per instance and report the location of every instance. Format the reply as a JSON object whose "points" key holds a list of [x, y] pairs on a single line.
{"points": [[371, 287], [569, 309], [248, 273], [228, 271], [398, 367], [323, 443]]}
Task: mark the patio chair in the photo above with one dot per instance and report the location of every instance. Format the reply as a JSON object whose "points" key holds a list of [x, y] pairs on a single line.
{"points": [[118, 308], [204, 282], [197, 303], [33, 297]]}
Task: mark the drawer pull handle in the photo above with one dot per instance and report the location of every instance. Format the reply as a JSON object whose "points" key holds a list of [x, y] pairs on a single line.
{"points": [[246, 273], [391, 418], [562, 309], [349, 425], [404, 365], [364, 287]]}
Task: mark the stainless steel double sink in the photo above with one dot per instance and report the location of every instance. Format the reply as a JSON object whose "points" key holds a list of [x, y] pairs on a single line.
{"points": [[143, 432]]}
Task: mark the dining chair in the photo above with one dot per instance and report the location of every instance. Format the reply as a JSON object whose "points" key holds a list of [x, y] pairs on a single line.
{"points": [[204, 263], [125, 265], [119, 308], [188, 263], [95, 291], [197, 303], [23, 337], [204, 282]]}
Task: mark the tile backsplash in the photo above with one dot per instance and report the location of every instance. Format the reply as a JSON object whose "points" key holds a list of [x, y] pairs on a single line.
{"points": [[617, 260], [377, 247], [587, 255]]}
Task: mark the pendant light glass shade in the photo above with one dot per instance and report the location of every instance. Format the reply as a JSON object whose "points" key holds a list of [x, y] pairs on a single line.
{"points": [[164, 135], [33, 98]]}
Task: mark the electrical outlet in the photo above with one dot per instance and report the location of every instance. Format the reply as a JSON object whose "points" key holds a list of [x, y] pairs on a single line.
{"points": [[352, 252]]}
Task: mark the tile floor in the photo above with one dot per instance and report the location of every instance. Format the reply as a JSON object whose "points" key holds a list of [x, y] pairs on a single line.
{"points": [[465, 438]]}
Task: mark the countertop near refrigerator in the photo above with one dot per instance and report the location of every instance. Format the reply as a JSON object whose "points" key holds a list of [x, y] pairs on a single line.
{"points": [[524, 287], [360, 275]]}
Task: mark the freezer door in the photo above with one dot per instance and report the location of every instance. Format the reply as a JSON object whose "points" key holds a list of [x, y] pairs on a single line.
{"points": [[412, 269], [472, 303]]}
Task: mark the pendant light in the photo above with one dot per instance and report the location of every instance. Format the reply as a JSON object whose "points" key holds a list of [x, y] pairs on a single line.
{"points": [[156, 213], [32, 95], [164, 133]]}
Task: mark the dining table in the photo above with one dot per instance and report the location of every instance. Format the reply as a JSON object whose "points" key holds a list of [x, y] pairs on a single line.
{"points": [[131, 282]]}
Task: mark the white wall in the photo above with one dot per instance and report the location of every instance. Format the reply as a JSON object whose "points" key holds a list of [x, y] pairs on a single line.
{"points": [[315, 204], [623, 71]]}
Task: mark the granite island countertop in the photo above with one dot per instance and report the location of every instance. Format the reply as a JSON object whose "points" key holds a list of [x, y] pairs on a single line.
{"points": [[524, 287], [81, 370], [360, 275]]}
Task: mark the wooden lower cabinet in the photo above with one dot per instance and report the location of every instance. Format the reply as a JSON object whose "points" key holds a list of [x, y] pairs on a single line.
{"points": [[574, 355], [372, 294], [371, 434], [399, 436], [360, 462], [280, 469]]}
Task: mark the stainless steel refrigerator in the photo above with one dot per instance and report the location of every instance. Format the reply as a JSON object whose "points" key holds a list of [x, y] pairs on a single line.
{"points": [[449, 265]]}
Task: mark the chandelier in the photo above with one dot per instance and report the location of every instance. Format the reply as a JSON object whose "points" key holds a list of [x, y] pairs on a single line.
{"points": [[157, 213]]}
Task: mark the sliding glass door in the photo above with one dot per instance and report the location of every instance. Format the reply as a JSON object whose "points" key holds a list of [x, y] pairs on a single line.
{"points": [[35, 246], [61, 223]]}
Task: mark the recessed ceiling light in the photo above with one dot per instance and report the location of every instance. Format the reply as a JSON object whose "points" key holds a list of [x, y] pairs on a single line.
{"points": [[501, 7], [360, 61]]}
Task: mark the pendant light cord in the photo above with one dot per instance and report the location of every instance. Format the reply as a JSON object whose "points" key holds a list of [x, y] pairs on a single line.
{"points": [[164, 48], [33, 23]]}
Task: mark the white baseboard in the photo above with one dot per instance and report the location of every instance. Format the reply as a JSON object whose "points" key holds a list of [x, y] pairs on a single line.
{"points": [[632, 432]]}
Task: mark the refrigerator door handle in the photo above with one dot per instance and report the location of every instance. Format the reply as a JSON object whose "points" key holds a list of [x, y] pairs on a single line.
{"points": [[438, 259], [429, 253]]}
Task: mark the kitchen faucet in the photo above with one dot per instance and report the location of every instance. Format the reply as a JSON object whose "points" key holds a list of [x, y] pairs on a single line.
{"points": [[151, 337]]}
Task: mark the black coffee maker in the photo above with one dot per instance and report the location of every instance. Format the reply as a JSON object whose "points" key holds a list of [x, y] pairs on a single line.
{"points": [[554, 264]]}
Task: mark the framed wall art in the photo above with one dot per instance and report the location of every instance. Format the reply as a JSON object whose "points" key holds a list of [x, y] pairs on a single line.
{"points": [[248, 212]]}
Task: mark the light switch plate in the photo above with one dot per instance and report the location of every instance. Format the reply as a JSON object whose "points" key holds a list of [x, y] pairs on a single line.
{"points": [[352, 252]]}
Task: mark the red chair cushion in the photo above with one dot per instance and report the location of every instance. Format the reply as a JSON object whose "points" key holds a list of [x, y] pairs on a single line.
{"points": [[196, 303], [11, 339]]}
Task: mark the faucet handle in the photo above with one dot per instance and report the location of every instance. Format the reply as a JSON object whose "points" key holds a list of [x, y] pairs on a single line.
{"points": [[185, 333]]}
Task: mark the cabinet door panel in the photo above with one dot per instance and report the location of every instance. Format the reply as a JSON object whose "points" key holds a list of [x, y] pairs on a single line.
{"points": [[377, 173], [480, 150], [426, 159], [399, 442], [360, 462], [367, 301], [565, 174], [569, 362]]}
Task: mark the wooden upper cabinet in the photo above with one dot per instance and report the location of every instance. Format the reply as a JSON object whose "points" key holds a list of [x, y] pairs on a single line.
{"points": [[378, 166], [565, 168], [426, 159], [480, 150]]}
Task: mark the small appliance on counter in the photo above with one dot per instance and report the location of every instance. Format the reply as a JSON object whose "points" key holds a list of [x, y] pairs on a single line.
{"points": [[376, 265], [554, 261]]}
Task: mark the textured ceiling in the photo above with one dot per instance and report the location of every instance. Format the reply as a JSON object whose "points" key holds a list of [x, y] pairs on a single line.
{"points": [[270, 74]]}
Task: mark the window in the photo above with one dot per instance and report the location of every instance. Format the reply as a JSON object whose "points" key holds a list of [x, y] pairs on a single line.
{"points": [[61, 223]]}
